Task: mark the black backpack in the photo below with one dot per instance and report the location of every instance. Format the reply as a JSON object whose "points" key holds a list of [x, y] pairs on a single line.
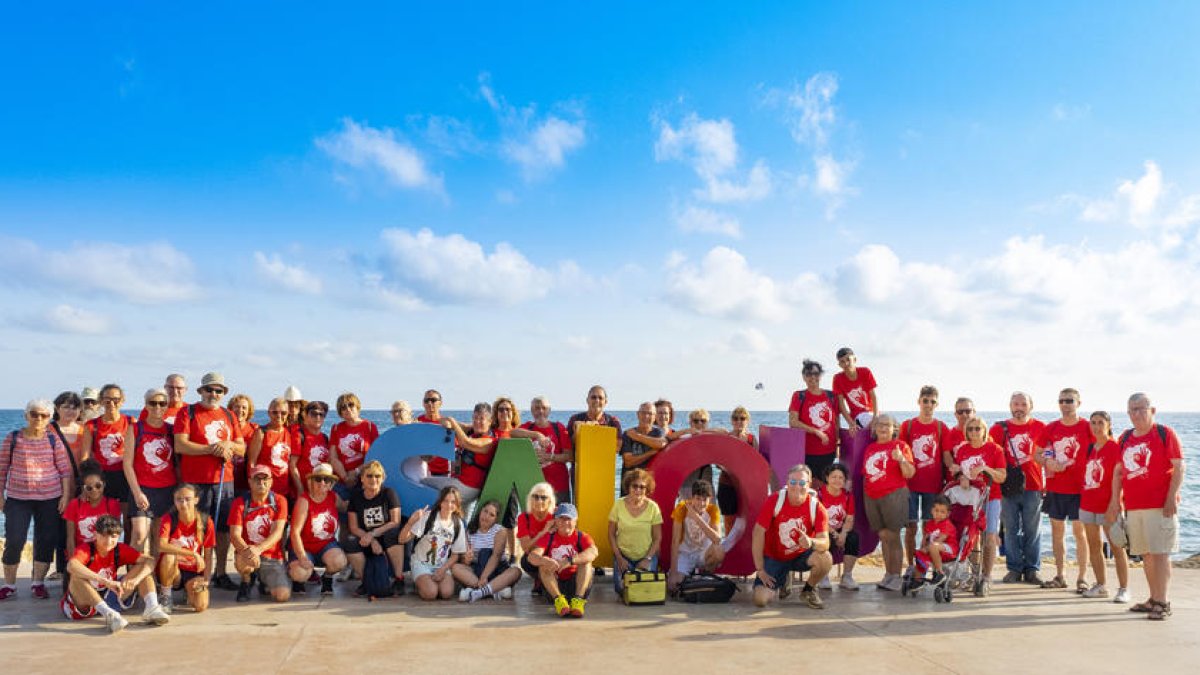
{"points": [[377, 576], [1014, 475], [706, 588]]}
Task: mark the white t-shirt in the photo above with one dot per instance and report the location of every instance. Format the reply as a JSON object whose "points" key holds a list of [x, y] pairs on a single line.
{"points": [[435, 549]]}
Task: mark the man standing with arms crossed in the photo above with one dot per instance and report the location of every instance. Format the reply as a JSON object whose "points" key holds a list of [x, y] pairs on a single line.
{"points": [[1150, 473]]}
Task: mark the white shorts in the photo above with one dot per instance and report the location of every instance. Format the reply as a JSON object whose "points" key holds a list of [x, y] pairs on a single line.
{"points": [[421, 569], [687, 562]]}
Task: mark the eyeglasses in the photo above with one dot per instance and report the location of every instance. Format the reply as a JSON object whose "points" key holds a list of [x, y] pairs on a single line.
{"points": [[963, 412], [740, 419], [1066, 401], [637, 486], [39, 415], [798, 483], [432, 400], [347, 407], [277, 412], [90, 401], [373, 475], [111, 399], [929, 401], [69, 406], [699, 420], [156, 404], [315, 413], [213, 390], [94, 486], [540, 498], [260, 479]]}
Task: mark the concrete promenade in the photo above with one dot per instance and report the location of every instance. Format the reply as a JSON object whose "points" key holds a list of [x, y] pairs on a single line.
{"points": [[1020, 629]]}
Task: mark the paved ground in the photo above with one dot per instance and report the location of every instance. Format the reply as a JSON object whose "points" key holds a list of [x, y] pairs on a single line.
{"points": [[1019, 629]]}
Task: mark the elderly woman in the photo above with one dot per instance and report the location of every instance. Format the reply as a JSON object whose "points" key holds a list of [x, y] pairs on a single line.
{"points": [[374, 522], [35, 483], [314, 540], [106, 438], [441, 539], [150, 470], [977, 462], [556, 452], [401, 413], [634, 527], [351, 439], [536, 522], [485, 569], [887, 465]]}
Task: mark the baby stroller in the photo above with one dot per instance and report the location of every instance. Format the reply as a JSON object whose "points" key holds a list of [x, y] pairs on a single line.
{"points": [[968, 514]]}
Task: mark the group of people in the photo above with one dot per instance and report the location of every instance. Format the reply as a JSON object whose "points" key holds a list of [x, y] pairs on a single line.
{"points": [[183, 483]]}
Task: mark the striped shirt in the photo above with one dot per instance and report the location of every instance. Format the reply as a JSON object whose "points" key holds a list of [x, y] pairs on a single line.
{"points": [[32, 468], [480, 541]]}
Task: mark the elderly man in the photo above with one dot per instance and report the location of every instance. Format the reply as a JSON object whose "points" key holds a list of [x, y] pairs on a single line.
{"points": [[791, 535], [1150, 474], [564, 559], [1021, 512], [641, 443], [175, 386], [206, 439]]}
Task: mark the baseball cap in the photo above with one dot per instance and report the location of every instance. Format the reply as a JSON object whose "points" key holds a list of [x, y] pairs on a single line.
{"points": [[566, 511]]}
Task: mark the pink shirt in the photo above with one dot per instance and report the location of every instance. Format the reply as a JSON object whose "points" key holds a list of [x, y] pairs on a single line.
{"points": [[33, 468]]}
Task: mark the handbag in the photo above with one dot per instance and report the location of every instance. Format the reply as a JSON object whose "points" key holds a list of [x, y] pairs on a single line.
{"points": [[644, 588], [706, 588]]}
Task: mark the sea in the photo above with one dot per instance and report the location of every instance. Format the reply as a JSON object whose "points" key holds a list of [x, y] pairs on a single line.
{"points": [[1186, 425]]}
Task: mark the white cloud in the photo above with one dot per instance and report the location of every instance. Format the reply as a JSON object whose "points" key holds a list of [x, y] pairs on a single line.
{"points": [[449, 136], [390, 352], [1134, 201], [724, 285], [328, 351], [750, 341], [812, 118], [68, 319], [876, 276], [155, 273], [392, 298], [456, 269], [711, 149], [812, 111], [287, 277], [697, 219], [364, 147], [538, 144]]}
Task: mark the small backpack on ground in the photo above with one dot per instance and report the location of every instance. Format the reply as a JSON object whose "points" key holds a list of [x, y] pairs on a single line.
{"points": [[701, 587], [377, 576]]}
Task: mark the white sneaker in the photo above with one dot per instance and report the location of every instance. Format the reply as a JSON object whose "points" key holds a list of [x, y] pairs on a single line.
{"points": [[825, 585], [116, 623], [156, 616], [464, 595], [848, 583], [1122, 596], [1096, 591], [344, 575], [505, 593], [885, 581], [891, 582]]}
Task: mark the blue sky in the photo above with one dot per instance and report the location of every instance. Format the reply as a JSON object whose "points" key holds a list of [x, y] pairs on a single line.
{"points": [[681, 199]]}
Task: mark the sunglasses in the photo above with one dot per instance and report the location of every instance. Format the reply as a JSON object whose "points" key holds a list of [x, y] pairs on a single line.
{"points": [[156, 404], [500, 410], [321, 479], [963, 412], [741, 419], [699, 420], [1066, 401], [373, 475], [929, 401], [111, 399], [540, 498], [798, 483], [315, 413], [213, 390], [90, 401], [637, 486], [94, 486], [432, 400]]}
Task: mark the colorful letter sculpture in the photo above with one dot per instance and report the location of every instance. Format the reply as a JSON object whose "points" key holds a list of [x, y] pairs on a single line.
{"points": [[852, 452], [595, 478], [515, 466], [401, 449], [784, 448]]}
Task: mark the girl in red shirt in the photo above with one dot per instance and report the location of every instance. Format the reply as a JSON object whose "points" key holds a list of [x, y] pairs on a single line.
{"points": [[186, 538], [83, 511], [1101, 461]]}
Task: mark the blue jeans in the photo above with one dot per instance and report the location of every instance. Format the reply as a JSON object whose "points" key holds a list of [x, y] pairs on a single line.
{"points": [[619, 583], [1022, 518]]}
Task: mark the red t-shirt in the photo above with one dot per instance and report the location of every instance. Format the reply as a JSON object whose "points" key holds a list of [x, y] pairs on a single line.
{"points": [[881, 472], [106, 566], [816, 410], [185, 537], [208, 426], [857, 392], [1069, 444], [274, 454], [154, 456], [1019, 448], [557, 547], [168, 416], [108, 441], [1147, 468], [438, 466], [529, 526], [836, 506], [473, 466], [84, 515], [555, 473], [258, 520], [321, 524], [309, 449], [783, 530], [969, 458], [1097, 477], [927, 442], [944, 528], [351, 443]]}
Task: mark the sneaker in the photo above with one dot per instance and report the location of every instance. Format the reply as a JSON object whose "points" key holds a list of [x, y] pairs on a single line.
{"points": [[39, 591], [1012, 578], [166, 600], [464, 595], [885, 581], [243, 592], [505, 593], [1122, 596], [326, 585], [298, 587], [786, 589], [890, 582], [156, 616], [848, 583], [344, 574], [812, 599], [1096, 591], [7, 592], [116, 623], [561, 606], [825, 584], [983, 588], [1031, 577], [223, 582], [314, 578], [577, 605], [937, 579]]}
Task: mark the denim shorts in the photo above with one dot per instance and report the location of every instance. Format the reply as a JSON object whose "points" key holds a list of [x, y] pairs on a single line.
{"points": [[779, 569]]}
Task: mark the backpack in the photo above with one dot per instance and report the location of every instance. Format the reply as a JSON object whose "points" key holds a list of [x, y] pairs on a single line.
{"points": [[248, 508], [701, 587], [812, 505], [191, 416], [377, 576], [1014, 475], [429, 520], [1162, 434]]}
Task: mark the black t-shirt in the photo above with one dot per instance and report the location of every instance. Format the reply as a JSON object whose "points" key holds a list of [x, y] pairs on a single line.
{"points": [[373, 513]]}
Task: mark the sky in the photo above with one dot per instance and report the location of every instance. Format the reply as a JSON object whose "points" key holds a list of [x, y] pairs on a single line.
{"points": [[669, 199]]}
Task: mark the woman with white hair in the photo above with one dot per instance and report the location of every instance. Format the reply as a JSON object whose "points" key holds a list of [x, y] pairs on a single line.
{"points": [[35, 484]]}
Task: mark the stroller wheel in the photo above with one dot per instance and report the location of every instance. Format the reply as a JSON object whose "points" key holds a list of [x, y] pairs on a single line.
{"points": [[949, 595], [939, 595], [904, 588]]}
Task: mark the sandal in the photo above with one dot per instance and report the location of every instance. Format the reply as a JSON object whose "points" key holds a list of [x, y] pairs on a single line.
{"points": [[1142, 607], [1160, 611], [1081, 586], [1056, 582]]}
